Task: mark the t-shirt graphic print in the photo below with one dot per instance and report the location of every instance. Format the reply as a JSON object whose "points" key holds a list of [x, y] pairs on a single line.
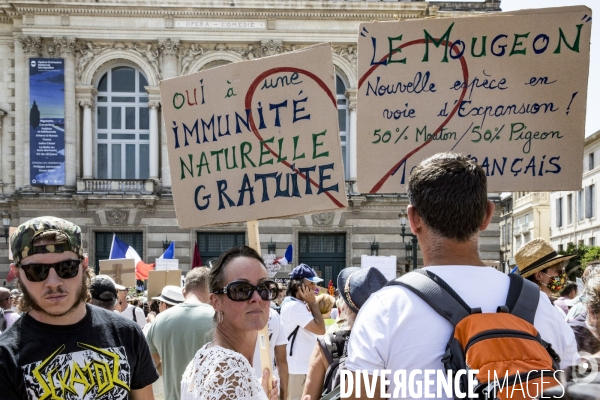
{"points": [[92, 373]]}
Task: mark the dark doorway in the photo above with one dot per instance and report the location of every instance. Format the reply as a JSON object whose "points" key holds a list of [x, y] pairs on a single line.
{"points": [[104, 241], [326, 253], [212, 244]]}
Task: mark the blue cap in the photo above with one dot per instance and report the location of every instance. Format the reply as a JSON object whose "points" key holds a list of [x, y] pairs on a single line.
{"points": [[303, 271]]}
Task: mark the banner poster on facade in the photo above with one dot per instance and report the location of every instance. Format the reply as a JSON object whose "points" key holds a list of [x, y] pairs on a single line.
{"points": [[509, 90], [47, 121], [255, 139]]}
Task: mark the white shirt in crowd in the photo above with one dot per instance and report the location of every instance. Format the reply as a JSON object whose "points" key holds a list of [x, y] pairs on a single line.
{"points": [[276, 338], [139, 314], [397, 330], [295, 313]]}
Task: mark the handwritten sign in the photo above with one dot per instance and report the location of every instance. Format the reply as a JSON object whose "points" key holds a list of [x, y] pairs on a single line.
{"points": [[256, 139], [508, 90], [386, 265], [122, 270], [157, 280], [163, 264]]}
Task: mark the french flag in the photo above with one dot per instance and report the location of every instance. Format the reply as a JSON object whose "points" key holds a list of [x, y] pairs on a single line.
{"points": [[287, 258], [169, 253], [120, 249]]}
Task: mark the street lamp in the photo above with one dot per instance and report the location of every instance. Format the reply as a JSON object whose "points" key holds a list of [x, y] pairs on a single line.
{"points": [[411, 248], [271, 247], [166, 244], [6, 224], [374, 248]]}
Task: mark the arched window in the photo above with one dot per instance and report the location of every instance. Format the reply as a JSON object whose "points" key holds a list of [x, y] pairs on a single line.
{"points": [[343, 120], [122, 125]]}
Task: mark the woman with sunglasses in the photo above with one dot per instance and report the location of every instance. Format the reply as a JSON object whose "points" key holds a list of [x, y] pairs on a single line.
{"points": [[241, 293]]}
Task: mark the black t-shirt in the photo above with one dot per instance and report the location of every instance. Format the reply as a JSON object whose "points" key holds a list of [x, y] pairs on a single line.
{"points": [[586, 341], [104, 356]]}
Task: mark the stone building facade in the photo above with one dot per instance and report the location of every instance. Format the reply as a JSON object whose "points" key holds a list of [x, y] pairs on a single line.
{"points": [[117, 177]]}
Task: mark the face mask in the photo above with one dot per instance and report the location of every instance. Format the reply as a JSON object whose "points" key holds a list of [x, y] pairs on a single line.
{"points": [[557, 283]]}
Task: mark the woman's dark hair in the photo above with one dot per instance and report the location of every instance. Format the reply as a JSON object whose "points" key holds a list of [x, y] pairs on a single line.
{"points": [[154, 307], [568, 289], [293, 286], [217, 273]]}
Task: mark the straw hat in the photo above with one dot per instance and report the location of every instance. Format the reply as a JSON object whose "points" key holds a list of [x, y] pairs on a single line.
{"points": [[537, 255]]}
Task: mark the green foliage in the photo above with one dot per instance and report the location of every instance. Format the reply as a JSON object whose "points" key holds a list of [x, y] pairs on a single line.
{"points": [[583, 256]]}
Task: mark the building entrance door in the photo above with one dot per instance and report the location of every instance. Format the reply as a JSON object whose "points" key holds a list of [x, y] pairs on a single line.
{"points": [[326, 253]]}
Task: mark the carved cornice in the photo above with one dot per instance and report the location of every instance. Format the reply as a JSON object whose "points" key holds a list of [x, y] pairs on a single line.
{"points": [[169, 47], [271, 47], [64, 46], [32, 45]]}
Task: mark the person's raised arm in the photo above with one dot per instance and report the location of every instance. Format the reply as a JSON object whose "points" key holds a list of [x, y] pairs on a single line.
{"points": [[282, 368], [317, 366], [317, 325]]}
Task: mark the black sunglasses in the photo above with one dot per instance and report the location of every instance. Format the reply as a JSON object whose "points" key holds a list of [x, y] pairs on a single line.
{"points": [[39, 272], [242, 291]]}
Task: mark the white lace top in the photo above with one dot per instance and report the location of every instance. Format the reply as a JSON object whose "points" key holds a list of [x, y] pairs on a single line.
{"points": [[217, 373]]}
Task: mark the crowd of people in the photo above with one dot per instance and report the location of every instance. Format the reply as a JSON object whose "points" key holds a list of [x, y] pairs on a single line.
{"points": [[69, 334]]}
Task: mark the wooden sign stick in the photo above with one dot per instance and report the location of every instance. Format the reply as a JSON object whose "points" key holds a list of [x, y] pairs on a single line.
{"points": [[263, 334]]}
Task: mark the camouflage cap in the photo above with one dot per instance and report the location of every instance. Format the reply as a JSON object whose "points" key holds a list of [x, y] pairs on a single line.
{"points": [[67, 237]]}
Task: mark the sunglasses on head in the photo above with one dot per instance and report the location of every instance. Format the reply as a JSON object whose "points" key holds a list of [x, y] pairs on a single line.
{"points": [[39, 272], [242, 291]]}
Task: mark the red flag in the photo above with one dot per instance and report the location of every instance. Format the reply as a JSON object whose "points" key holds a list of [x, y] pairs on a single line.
{"points": [[330, 288], [197, 260], [141, 270]]}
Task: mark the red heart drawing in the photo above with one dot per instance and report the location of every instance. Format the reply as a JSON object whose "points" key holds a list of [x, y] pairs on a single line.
{"points": [[248, 105], [465, 70]]}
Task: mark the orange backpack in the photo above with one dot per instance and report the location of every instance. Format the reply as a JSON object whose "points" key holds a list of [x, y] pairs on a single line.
{"points": [[505, 347]]}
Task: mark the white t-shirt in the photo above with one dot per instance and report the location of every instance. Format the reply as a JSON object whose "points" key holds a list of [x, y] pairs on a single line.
{"points": [[397, 330], [296, 313], [276, 338], [139, 314]]}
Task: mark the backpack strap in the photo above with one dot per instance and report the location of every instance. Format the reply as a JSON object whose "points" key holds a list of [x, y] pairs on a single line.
{"points": [[436, 293], [326, 344], [3, 322], [292, 337], [523, 298]]}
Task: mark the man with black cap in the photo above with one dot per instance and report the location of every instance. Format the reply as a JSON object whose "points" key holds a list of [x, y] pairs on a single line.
{"points": [[63, 347], [104, 292], [302, 322]]}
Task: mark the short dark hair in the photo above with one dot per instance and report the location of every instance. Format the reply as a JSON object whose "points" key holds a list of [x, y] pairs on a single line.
{"points": [[293, 286], [217, 273], [449, 191], [568, 289]]}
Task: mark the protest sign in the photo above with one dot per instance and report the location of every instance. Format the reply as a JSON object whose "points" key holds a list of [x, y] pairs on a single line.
{"points": [[255, 139], [508, 90], [157, 280], [164, 264], [385, 265], [122, 270]]}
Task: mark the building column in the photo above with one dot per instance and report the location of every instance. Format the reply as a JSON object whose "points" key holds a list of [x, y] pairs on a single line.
{"points": [[85, 96], [170, 58], [25, 48], [3, 148], [154, 139], [87, 139], [65, 47], [351, 95]]}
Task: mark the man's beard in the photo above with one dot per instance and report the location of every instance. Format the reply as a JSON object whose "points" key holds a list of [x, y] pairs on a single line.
{"points": [[80, 297]]}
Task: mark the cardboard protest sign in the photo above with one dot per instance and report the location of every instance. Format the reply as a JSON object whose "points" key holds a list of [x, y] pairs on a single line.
{"points": [[255, 139], [386, 265], [508, 90], [164, 264], [157, 280], [122, 270]]}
